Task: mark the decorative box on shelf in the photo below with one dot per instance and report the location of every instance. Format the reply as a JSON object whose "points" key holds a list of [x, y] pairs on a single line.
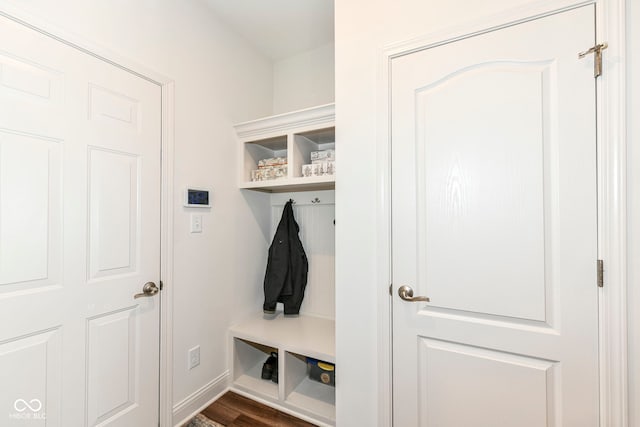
{"points": [[288, 152]]}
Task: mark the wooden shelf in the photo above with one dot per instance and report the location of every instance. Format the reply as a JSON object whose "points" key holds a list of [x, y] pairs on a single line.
{"points": [[248, 358], [312, 118], [311, 183], [294, 338], [314, 397], [292, 136], [252, 382], [305, 335]]}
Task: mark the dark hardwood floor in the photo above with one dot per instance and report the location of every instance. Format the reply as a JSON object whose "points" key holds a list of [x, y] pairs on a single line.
{"points": [[233, 410]]}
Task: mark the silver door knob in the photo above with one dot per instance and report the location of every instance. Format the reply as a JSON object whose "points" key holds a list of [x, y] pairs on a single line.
{"points": [[406, 293], [148, 290]]}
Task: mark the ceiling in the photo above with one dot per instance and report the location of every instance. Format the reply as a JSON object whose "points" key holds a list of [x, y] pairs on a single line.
{"points": [[278, 28]]}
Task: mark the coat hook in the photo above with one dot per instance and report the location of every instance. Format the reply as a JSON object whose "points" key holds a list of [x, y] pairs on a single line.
{"points": [[316, 200]]}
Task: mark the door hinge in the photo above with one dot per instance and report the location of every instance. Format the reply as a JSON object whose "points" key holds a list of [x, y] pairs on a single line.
{"points": [[597, 60], [600, 269], [391, 289]]}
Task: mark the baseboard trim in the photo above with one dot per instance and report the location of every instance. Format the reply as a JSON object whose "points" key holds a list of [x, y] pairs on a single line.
{"points": [[193, 404]]}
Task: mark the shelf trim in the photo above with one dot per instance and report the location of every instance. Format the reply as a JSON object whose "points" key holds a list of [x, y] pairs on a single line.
{"points": [[252, 330], [324, 114], [298, 181]]}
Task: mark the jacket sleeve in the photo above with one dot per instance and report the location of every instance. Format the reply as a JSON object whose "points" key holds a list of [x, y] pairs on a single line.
{"points": [[276, 279], [297, 271]]}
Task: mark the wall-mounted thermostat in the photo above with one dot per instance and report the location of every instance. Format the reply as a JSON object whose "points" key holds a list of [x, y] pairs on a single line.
{"points": [[196, 198]]}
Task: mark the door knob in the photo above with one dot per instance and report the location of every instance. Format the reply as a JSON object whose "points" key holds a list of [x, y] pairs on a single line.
{"points": [[148, 290], [406, 293]]}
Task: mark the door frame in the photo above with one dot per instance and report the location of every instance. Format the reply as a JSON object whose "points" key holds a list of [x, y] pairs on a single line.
{"points": [[611, 186], [167, 85]]}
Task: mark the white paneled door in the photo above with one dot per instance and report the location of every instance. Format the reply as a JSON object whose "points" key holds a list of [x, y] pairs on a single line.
{"points": [[79, 237], [494, 220]]}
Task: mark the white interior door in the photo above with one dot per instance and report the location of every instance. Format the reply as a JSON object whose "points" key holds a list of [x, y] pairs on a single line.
{"points": [[494, 219], [79, 236]]}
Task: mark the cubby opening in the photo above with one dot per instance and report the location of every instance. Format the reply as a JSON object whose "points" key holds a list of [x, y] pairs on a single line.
{"points": [[247, 367], [292, 135], [261, 150], [306, 142], [305, 393]]}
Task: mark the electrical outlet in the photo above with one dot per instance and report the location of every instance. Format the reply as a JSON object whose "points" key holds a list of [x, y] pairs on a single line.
{"points": [[193, 358]]}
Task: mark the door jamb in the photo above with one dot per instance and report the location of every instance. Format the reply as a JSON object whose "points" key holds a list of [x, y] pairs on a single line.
{"points": [[612, 196], [13, 12]]}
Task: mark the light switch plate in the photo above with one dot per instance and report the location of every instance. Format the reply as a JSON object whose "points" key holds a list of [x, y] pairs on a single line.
{"points": [[196, 223]]}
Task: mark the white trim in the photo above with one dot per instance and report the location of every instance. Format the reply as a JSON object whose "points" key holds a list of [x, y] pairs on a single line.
{"points": [[383, 255], [611, 123], [196, 412], [190, 406], [280, 124], [166, 255], [12, 11], [612, 215], [508, 18]]}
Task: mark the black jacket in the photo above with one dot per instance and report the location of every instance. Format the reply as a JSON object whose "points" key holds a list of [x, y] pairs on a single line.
{"points": [[287, 267]]}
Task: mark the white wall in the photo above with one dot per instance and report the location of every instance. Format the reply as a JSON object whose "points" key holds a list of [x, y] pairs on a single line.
{"points": [[633, 141], [304, 80], [219, 80], [363, 28]]}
